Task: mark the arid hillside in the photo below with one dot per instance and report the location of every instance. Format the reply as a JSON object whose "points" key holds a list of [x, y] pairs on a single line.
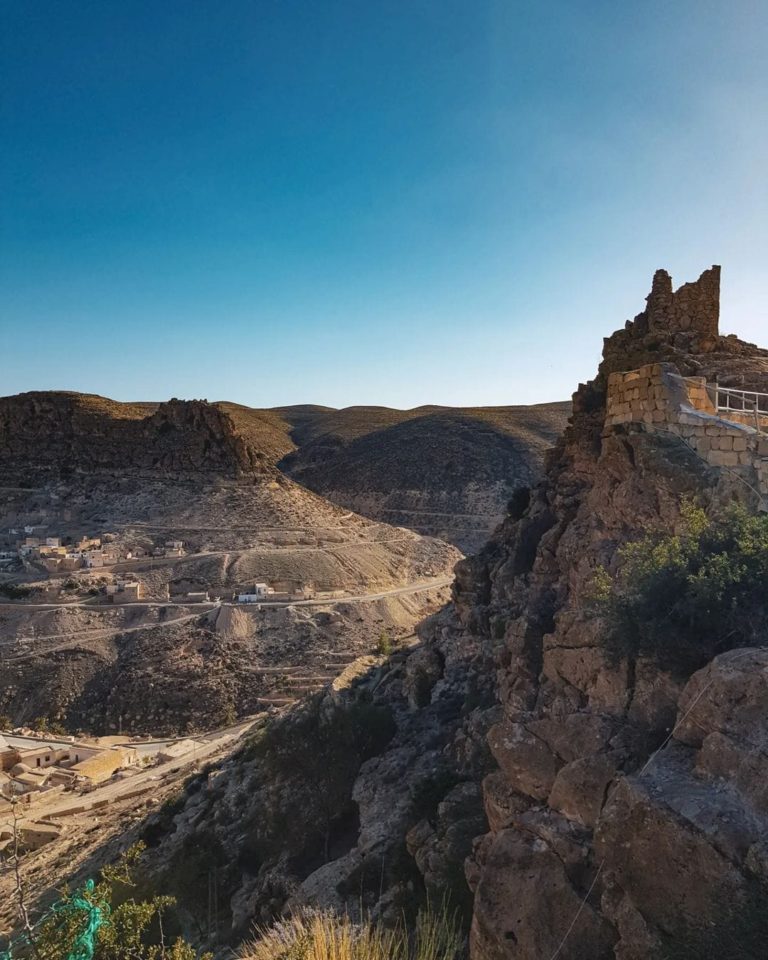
{"points": [[444, 471], [128, 531]]}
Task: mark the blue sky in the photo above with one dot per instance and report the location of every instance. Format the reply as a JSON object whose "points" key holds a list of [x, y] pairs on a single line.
{"points": [[275, 201]]}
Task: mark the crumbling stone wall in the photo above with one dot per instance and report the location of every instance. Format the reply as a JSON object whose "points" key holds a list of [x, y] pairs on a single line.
{"points": [[692, 310], [656, 396], [654, 393]]}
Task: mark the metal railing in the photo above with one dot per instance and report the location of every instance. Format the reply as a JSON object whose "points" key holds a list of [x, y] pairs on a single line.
{"points": [[741, 401], [747, 402]]}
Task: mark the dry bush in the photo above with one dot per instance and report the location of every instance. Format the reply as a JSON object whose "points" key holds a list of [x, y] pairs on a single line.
{"points": [[326, 936]]}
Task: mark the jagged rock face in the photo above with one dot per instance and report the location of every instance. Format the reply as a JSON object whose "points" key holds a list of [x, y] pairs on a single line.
{"points": [[577, 727], [315, 821], [596, 848], [49, 435]]}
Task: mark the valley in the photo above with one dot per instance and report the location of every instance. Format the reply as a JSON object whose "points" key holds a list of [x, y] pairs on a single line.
{"points": [[163, 571], [549, 770], [447, 472]]}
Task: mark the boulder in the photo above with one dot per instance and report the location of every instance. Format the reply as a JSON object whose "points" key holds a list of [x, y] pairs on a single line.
{"points": [[525, 905], [527, 761]]}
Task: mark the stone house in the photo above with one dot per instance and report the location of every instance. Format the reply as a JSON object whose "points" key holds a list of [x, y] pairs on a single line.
{"points": [[9, 756], [125, 591], [45, 755], [260, 592], [104, 764]]}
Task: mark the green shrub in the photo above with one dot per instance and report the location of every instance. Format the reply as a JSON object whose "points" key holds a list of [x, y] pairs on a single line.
{"points": [[682, 598], [384, 644], [106, 921], [14, 592], [317, 754]]}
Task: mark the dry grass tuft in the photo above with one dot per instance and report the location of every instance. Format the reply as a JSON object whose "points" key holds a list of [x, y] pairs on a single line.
{"points": [[326, 936]]}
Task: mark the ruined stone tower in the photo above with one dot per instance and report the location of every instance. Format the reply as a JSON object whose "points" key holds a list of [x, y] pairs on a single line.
{"points": [[691, 312]]}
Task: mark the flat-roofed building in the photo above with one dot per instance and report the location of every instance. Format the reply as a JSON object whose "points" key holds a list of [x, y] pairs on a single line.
{"points": [[104, 764]]}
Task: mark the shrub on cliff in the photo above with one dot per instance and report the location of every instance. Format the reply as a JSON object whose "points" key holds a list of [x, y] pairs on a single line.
{"points": [[310, 757], [682, 598]]}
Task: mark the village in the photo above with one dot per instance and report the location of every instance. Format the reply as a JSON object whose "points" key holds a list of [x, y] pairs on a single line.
{"points": [[31, 551], [44, 780], [31, 548]]}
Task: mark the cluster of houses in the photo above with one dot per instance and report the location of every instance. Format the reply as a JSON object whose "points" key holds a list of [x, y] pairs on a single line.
{"points": [[285, 592], [33, 771], [39, 767], [55, 557], [58, 555]]}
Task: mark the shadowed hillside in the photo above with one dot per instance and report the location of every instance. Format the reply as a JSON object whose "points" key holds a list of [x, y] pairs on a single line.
{"points": [[448, 472]]}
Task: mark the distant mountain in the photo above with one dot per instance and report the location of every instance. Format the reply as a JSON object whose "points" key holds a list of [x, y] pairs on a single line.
{"points": [[444, 471]]}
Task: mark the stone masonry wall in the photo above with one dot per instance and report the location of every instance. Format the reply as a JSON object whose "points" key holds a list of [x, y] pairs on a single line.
{"points": [[654, 393], [692, 310], [656, 396]]}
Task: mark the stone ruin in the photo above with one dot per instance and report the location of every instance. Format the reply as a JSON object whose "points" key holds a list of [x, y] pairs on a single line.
{"points": [[690, 314]]}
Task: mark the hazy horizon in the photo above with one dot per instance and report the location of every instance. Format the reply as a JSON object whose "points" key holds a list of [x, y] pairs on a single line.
{"points": [[392, 204]]}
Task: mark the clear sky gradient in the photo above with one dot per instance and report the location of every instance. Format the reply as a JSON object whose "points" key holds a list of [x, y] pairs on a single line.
{"points": [[395, 202]]}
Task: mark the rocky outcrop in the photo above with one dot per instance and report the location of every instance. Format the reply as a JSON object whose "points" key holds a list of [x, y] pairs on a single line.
{"points": [[685, 837], [47, 436], [354, 799], [577, 727]]}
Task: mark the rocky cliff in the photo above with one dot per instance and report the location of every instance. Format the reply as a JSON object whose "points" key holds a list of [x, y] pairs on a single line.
{"points": [[580, 826], [51, 435], [572, 805]]}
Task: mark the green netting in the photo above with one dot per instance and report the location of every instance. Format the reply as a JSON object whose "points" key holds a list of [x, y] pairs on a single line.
{"points": [[90, 917]]}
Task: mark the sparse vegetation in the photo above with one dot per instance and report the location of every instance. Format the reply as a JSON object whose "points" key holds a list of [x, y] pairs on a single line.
{"points": [[47, 725], [682, 598], [14, 591], [325, 936], [384, 644], [229, 714], [105, 921], [319, 753]]}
